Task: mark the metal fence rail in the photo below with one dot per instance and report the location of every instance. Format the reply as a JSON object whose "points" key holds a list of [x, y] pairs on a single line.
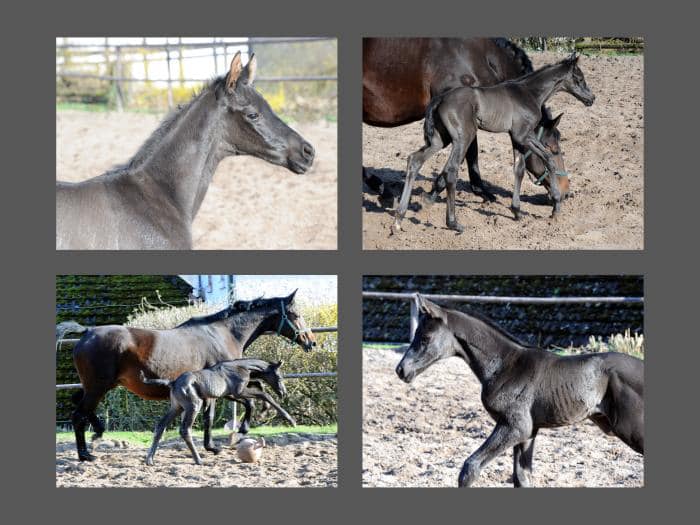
{"points": [[412, 297]]}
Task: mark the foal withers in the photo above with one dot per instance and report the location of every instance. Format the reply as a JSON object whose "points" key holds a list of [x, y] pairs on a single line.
{"points": [[513, 107], [237, 380]]}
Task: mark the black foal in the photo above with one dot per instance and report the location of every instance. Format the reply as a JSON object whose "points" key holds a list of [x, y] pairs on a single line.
{"points": [[513, 107]]}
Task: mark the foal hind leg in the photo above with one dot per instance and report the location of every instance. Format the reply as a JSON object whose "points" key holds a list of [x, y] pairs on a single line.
{"points": [[413, 166], [626, 413], [451, 169], [188, 418], [503, 437], [158, 432], [522, 462], [208, 415]]}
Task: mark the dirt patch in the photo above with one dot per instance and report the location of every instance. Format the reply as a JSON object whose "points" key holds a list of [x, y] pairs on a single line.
{"points": [[420, 434], [291, 460], [603, 149], [250, 205]]}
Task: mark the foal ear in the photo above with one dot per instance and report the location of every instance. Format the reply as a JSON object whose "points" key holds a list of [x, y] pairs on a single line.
{"points": [[277, 364], [248, 76], [234, 72], [428, 308]]}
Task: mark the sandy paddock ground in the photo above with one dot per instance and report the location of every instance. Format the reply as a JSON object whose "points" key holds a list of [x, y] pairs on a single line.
{"points": [[603, 151], [420, 434], [289, 460], [250, 205]]}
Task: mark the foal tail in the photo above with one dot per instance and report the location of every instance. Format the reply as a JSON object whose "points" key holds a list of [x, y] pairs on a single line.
{"points": [[155, 381], [69, 327], [429, 125]]}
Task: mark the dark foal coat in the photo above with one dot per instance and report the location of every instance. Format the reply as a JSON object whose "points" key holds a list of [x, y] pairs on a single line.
{"points": [[109, 356], [237, 380], [513, 107], [151, 202], [400, 76], [525, 388]]}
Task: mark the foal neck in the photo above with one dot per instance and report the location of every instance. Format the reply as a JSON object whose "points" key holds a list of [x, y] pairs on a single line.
{"points": [[184, 153], [545, 82], [485, 349]]}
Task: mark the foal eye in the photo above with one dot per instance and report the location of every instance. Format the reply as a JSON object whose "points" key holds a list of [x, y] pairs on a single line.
{"points": [[253, 116]]}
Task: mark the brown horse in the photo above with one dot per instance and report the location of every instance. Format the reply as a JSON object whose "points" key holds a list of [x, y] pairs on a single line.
{"points": [[109, 356], [401, 75]]}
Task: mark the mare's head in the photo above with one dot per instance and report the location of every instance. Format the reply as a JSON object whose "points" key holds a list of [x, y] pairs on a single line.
{"points": [[272, 376], [574, 82], [548, 131], [252, 128], [432, 341], [282, 318]]}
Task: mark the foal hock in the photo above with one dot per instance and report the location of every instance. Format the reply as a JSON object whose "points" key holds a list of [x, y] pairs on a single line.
{"points": [[151, 202], [525, 388], [514, 107], [236, 380]]}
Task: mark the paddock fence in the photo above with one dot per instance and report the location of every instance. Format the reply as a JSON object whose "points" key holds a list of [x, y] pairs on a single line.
{"points": [[107, 72], [412, 298]]}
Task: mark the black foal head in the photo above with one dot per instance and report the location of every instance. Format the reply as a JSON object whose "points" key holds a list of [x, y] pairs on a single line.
{"points": [[432, 341], [252, 128], [574, 82], [272, 376]]}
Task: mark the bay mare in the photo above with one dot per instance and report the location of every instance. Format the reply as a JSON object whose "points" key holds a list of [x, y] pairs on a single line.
{"points": [[151, 201], [513, 107], [525, 388], [400, 76], [113, 355]]}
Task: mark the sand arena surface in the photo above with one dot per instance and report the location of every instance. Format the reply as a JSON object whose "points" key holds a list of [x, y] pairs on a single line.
{"points": [[603, 149]]}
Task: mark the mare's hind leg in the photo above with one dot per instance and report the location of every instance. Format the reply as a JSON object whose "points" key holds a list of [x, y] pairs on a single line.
{"points": [[413, 166], [158, 432], [191, 411], [84, 414], [208, 415], [522, 462], [519, 173], [502, 438]]}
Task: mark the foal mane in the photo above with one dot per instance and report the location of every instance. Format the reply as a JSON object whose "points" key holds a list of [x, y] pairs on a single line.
{"points": [[469, 312]]}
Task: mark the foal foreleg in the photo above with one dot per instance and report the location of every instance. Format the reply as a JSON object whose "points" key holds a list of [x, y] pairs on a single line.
{"points": [[502, 438], [542, 152], [519, 173], [260, 394]]}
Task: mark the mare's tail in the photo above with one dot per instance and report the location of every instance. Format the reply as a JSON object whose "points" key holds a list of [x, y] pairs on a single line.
{"points": [[155, 381], [69, 327], [429, 124]]}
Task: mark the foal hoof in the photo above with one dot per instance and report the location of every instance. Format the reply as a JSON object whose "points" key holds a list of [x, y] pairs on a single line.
{"points": [[555, 214], [395, 228], [455, 226], [517, 215], [149, 461], [292, 422], [86, 456], [214, 450]]}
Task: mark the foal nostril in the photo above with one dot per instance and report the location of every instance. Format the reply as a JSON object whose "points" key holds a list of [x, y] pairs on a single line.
{"points": [[307, 151]]}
